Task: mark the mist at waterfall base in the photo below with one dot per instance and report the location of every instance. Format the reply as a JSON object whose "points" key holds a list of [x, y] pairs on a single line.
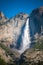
{"points": [[25, 44]]}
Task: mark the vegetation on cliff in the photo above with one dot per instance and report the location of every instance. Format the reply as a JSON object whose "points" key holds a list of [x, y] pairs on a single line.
{"points": [[2, 62]]}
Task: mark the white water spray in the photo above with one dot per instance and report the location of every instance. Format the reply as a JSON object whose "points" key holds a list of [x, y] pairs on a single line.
{"points": [[25, 38]]}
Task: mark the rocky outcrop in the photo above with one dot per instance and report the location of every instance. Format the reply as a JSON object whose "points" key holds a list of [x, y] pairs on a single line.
{"points": [[4, 56], [11, 29], [36, 24], [6, 32], [32, 57], [3, 18], [36, 21], [8, 55]]}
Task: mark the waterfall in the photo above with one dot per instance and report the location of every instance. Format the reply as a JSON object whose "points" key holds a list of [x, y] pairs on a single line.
{"points": [[25, 38]]}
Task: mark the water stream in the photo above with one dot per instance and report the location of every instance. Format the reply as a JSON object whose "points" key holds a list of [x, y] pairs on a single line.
{"points": [[25, 38]]}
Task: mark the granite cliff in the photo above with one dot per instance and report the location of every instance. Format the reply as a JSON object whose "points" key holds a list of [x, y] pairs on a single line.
{"points": [[11, 31]]}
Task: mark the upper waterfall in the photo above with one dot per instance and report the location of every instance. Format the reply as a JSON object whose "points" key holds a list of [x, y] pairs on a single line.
{"points": [[25, 37]]}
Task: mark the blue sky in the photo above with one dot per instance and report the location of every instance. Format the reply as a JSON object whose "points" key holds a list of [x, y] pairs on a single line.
{"points": [[13, 7]]}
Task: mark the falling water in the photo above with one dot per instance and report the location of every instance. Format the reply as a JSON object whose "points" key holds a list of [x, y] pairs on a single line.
{"points": [[25, 38]]}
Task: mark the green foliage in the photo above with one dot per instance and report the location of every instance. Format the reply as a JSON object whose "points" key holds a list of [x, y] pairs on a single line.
{"points": [[8, 51], [39, 45], [2, 62]]}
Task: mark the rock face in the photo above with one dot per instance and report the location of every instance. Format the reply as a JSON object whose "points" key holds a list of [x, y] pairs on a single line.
{"points": [[32, 57], [11, 29], [36, 24], [4, 55], [6, 32], [36, 19], [9, 33], [19, 24], [3, 18]]}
